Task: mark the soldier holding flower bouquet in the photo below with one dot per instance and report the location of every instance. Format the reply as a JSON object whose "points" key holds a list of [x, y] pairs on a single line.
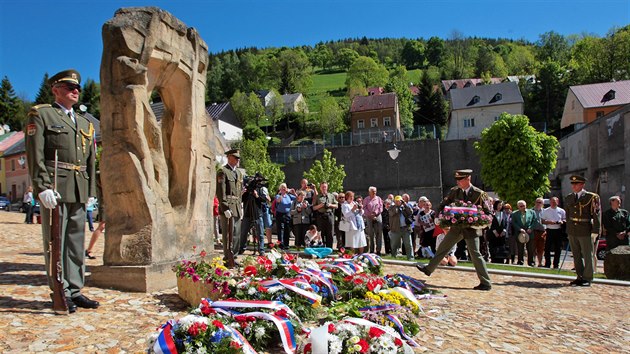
{"points": [[466, 211]]}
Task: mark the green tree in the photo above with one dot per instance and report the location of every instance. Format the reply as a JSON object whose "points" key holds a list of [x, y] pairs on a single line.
{"points": [[406, 105], [321, 56], [432, 107], [490, 62], [10, 106], [214, 80], [254, 72], [44, 95], [345, 58], [413, 54], [435, 51], [254, 158], [365, 72], [520, 60], [91, 97], [275, 109], [546, 99], [327, 170], [231, 78], [553, 46], [516, 159], [248, 108], [294, 70], [331, 116]]}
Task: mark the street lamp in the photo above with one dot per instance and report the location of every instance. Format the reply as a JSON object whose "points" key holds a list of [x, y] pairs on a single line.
{"points": [[393, 153]]}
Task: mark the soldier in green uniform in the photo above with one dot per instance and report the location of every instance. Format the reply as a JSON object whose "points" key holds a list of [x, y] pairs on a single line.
{"points": [[464, 191], [616, 222], [58, 129], [229, 193], [583, 222]]}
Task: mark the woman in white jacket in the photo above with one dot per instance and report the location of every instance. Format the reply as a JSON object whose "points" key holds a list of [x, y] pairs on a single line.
{"points": [[353, 214]]}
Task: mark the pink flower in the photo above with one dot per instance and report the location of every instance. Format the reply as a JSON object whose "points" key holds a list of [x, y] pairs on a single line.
{"points": [[453, 221], [195, 278], [470, 220]]}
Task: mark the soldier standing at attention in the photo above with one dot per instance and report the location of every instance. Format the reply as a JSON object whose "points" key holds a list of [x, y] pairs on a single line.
{"points": [[583, 222], [464, 191], [57, 128], [229, 193]]}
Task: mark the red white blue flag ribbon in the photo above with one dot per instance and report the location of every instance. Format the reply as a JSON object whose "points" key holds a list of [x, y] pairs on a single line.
{"points": [[164, 343], [396, 321], [238, 338], [284, 326], [460, 210], [272, 305]]}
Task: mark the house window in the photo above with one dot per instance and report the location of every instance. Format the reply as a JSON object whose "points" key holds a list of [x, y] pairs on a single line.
{"points": [[360, 124], [469, 122], [12, 165], [387, 121], [475, 100], [610, 95], [373, 122], [496, 118], [599, 114]]}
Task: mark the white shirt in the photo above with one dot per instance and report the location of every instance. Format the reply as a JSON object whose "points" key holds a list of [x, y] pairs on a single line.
{"points": [[66, 111], [554, 214]]}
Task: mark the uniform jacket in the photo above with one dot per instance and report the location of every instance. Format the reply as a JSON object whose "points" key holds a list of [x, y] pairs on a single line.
{"points": [[48, 130], [583, 214], [517, 221], [229, 190]]}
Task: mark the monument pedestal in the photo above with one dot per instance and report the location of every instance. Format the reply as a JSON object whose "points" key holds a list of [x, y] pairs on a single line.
{"points": [[145, 279]]}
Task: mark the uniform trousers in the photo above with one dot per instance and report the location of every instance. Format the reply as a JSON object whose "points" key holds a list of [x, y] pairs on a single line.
{"points": [[236, 235], [72, 246], [472, 243], [582, 249]]}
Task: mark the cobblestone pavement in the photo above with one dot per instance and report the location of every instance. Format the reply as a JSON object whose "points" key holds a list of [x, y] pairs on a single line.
{"points": [[518, 315]]}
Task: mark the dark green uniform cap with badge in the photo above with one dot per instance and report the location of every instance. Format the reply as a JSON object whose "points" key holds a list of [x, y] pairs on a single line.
{"points": [[461, 174], [233, 152], [70, 76], [577, 179]]}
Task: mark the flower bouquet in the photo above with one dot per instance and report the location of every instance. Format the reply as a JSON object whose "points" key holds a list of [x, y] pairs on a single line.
{"points": [[464, 214], [199, 279]]}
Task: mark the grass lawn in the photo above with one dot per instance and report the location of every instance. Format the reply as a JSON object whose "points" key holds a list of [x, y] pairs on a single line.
{"points": [[414, 76], [333, 84]]}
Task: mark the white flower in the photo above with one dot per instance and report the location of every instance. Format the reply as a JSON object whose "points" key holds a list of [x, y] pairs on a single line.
{"points": [[334, 344], [201, 350], [259, 332], [152, 338], [232, 282], [251, 291], [275, 289]]}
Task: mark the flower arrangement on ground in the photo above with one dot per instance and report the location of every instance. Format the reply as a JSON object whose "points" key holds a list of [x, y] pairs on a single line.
{"points": [[213, 273], [464, 214]]}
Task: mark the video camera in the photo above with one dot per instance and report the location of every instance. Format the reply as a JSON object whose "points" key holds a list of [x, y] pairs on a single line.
{"points": [[252, 183]]}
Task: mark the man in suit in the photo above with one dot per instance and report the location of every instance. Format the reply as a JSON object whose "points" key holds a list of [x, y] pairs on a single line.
{"points": [[229, 193], [523, 221], [58, 130], [464, 191], [583, 223]]}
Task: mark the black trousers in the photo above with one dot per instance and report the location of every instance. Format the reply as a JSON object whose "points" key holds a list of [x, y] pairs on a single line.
{"points": [[325, 223], [553, 244]]}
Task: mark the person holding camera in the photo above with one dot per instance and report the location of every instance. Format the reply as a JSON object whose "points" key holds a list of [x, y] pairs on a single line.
{"points": [[284, 200], [400, 219], [253, 200], [353, 213], [301, 215], [323, 206]]}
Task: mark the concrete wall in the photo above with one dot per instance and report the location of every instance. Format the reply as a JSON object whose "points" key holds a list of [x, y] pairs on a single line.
{"points": [[484, 117], [601, 153], [422, 167]]}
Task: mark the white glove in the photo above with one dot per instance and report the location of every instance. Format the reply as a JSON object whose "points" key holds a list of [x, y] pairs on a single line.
{"points": [[48, 198], [227, 213]]}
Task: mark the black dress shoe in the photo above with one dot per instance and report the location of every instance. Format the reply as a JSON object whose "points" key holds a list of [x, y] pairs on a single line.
{"points": [[576, 282], [72, 307], [584, 283], [483, 287], [83, 301], [423, 268]]}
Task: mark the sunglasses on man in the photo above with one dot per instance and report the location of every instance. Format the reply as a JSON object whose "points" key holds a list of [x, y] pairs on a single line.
{"points": [[70, 87]]}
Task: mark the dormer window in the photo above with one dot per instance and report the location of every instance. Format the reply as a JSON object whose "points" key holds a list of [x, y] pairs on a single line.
{"points": [[468, 84], [453, 86], [475, 100], [496, 98], [610, 95]]}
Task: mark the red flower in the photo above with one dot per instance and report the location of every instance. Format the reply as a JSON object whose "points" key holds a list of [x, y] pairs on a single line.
{"points": [[235, 345], [205, 308], [331, 328], [295, 268], [197, 328], [364, 346], [288, 257], [218, 324], [281, 313], [357, 281], [262, 289], [307, 348], [203, 253], [398, 342], [250, 270], [375, 332]]}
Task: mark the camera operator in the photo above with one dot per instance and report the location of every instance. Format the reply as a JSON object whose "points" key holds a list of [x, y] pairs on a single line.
{"points": [[284, 200], [323, 206], [253, 200], [309, 190]]}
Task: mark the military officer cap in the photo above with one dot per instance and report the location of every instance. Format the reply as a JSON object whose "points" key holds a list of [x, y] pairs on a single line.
{"points": [[233, 152], [461, 174], [70, 76], [577, 179]]}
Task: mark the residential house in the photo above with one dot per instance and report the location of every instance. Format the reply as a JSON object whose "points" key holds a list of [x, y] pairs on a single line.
{"points": [[448, 85], [265, 97], [478, 107], [375, 118], [16, 170], [6, 141], [294, 102], [585, 103], [375, 91], [224, 118]]}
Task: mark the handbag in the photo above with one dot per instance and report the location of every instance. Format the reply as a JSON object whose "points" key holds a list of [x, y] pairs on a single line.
{"points": [[344, 225]]}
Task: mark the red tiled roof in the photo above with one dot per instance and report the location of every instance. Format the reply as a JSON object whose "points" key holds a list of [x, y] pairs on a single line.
{"points": [[375, 90], [373, 103], [446, 84], [593, 95]]}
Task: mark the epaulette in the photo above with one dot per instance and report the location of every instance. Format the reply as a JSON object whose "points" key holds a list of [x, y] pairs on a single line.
{"points": [[35, 108]]}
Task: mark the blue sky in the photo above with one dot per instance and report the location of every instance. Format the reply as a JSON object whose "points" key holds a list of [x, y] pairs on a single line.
{"points": [[49, 36]]}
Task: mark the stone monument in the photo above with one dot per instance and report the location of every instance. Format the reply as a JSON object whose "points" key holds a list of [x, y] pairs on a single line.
{"points": [[157, 177]]}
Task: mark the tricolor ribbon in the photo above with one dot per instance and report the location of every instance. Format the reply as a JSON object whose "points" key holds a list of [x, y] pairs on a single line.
{"points": [[164, 343], [298, 286], [412, 284], [343, 268], [323, 277], [238, 338], [386, 329], [284, 326], [460, 210], [371, 257], [396, 321], [233, 303], [381, 308]]}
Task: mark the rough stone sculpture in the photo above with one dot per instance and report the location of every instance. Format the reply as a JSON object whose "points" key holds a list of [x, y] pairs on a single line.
{"points": [[617, 263], [157, 178]]}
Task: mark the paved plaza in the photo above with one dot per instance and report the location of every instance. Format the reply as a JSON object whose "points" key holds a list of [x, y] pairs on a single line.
{"points": [[519, 315]]}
